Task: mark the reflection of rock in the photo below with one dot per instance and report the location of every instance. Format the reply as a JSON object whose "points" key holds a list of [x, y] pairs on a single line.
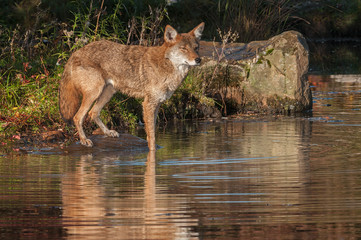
{"points": [[262, 75]]}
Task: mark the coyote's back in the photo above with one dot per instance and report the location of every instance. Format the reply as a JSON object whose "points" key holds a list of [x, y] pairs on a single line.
{"points": [[95, 72]]}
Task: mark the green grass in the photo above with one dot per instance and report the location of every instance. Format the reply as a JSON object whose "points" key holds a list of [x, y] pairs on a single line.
{"points": [[32, 57]]}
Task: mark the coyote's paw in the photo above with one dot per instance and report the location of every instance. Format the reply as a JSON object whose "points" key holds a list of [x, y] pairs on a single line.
{"points": [[112, 133], [86, 142]]}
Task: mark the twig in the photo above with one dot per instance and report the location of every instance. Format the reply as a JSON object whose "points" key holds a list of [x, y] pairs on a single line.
{"points": [[100, 11]]}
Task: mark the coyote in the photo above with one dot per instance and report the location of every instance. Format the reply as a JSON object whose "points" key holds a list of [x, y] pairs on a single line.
{"points": [[95, 72]]}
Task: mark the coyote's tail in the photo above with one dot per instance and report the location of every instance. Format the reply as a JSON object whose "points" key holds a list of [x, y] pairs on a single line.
{"points": [[69, 98]]}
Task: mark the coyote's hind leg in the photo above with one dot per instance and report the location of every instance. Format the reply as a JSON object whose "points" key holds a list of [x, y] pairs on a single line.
{"points": [[91, 85], [79, 119], [94, 113]]}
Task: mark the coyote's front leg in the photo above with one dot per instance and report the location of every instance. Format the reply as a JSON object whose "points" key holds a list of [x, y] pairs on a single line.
{"points": [[150, 112]]}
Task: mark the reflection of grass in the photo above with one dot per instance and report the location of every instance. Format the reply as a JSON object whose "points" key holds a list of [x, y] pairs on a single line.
{"points": [[330, 18], [335, 58]]}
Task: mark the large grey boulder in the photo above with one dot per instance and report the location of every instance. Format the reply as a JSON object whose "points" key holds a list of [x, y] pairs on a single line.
{"points": [[262, 76]]}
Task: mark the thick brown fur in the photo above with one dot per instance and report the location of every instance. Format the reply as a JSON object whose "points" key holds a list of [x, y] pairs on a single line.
{"points": [[69, 99], [95, 72]]}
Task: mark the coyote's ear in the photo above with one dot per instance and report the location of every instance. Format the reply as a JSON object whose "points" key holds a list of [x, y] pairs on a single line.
{"points": [[170, 34], [197, 31]]}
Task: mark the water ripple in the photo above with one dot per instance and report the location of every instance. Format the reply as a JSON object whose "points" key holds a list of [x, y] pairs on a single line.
{"points": [[179, 162]]}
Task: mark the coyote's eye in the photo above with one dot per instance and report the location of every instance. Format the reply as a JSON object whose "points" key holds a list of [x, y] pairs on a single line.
{"points": [[196, 48]]}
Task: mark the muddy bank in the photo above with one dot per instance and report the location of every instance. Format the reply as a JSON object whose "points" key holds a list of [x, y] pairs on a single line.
{"points": [[59, 143]]}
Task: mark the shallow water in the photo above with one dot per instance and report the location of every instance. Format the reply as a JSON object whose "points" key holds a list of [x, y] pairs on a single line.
{"points": [[270, 178]]}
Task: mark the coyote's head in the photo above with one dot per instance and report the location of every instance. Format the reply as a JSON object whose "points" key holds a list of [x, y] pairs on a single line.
{"points": [[183, 48]]}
